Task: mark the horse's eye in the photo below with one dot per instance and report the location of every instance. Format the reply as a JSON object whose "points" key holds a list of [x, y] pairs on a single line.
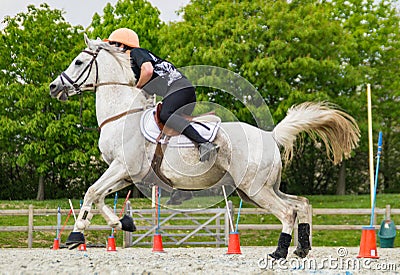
{"points": [[78, 62]]}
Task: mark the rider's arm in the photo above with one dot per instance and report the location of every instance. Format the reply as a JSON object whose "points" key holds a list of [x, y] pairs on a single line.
{"points": [[146, 72]]}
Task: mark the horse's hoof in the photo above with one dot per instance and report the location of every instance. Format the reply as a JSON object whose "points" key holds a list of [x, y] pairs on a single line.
{"points": [[301, 252], [127, 224], [283, 246], [75, 239], [277, 255], [304, 245]]}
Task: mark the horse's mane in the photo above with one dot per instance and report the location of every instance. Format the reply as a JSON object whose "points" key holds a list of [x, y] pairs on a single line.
{"points": [[121, 57], [124, 61]]}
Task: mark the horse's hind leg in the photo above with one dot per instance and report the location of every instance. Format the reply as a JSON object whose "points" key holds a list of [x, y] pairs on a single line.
{"points": [[302, 207], [286, 208]]}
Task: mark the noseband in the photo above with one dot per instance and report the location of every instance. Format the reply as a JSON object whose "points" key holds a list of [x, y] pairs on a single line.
{"points": [[78, 87]]}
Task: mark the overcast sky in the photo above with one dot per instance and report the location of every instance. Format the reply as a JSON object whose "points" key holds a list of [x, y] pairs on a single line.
{"points": [[80, 12]]}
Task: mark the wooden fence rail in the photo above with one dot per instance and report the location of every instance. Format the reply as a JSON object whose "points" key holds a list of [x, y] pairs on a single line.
{"points": [[215, 225], [322, 211]]}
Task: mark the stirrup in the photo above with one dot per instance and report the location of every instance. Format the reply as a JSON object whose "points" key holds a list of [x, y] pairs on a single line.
{"points": [[207, 150]]}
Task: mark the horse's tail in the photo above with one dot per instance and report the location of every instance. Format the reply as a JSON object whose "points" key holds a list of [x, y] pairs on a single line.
{"points": [[338, 130]]}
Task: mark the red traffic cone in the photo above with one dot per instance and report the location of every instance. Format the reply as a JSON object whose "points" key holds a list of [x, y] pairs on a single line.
{"points": [[56, 244], [234, 243], [368, 243], [111, 244], [157, 243], [82, 247]]}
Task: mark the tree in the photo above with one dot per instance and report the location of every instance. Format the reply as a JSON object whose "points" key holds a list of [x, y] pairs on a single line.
{"points": [[374, 27], [39, 136], [294, 51], [291, 51]]}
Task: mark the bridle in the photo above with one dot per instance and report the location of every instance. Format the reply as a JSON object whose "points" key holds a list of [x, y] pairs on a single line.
{"points": [[79, 86]]}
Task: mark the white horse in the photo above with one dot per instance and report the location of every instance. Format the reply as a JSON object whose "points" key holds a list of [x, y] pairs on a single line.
{"points": [[248, 156]]}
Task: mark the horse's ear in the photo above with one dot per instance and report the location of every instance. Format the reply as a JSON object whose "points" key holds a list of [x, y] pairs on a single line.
{"points": [[87, 40]]}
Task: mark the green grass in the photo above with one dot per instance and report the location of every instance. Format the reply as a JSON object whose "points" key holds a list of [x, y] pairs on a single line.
{"points": [[247, 237]]}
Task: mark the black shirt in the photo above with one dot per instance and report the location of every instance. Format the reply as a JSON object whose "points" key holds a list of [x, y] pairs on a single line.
{"points": [[165, 79]]}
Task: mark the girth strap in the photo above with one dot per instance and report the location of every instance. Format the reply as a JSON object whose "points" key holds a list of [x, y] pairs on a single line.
{"points": [[156, 166]]}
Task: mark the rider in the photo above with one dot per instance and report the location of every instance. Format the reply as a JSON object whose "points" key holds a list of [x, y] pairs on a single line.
{"points": [[157, 76]]}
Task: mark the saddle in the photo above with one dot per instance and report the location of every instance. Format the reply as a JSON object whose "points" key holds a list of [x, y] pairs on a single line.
{"points": [[154, 130], [168, 131], [163, 128]]}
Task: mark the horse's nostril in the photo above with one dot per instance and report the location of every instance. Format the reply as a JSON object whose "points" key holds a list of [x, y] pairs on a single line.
{"points": [[53, 89]]}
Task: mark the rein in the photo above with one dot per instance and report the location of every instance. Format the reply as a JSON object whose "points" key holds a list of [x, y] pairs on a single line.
{"points": [[80, 87], [89, 87], [118, 116]]}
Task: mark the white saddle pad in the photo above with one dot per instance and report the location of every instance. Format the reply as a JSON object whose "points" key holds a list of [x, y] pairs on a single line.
{"points": [[207, 126]]}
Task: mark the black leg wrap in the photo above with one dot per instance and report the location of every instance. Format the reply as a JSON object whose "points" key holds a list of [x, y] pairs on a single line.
{"points": [[75, 239], [127, 223], [283, 246], [304, 245]]}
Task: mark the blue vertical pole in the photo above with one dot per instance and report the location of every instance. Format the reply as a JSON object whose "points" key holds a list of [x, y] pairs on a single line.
{"points": [[158, 208], [376, 176], [115, 209], [238, 217]]}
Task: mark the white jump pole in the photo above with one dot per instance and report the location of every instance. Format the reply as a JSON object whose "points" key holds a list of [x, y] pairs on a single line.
{"points": [[72, 208], [370, 145], [227, 207]]}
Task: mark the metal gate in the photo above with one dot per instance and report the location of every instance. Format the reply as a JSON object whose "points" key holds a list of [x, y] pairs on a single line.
{"points": [[179, 227]]}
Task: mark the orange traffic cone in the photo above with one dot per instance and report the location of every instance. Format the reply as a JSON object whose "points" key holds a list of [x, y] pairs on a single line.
{"points": [[157, 243], [234, 243], [56, 244], [82, 247], [368, 243], [111, 244]]}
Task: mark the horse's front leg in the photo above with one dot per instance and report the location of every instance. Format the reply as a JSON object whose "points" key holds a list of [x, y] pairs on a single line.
{"points": [[115, 173], [126, 223]]}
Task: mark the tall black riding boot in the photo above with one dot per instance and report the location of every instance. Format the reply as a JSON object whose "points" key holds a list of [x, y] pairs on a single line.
{"points": [[304, 246], [283, 246]]}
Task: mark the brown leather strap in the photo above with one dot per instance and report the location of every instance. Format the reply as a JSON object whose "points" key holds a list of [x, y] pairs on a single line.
{"points": [[95, 85], [116, 117], [168, 131], [156, 165]]}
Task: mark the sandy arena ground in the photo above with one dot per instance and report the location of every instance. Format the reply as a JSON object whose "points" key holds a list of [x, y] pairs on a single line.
{"points": [[212, 261]]}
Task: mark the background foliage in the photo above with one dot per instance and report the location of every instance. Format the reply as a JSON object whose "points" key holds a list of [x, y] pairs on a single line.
{"points": [[291, 52]]}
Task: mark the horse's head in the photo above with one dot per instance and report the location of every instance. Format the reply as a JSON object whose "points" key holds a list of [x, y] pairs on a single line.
{"points": [[82, 73]]}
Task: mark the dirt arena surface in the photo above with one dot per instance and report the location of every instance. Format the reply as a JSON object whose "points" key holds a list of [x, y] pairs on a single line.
{"points": [[197, 260]]}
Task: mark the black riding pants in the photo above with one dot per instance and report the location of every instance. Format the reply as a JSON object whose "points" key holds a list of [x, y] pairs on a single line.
{"points": [[174, 105]]}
